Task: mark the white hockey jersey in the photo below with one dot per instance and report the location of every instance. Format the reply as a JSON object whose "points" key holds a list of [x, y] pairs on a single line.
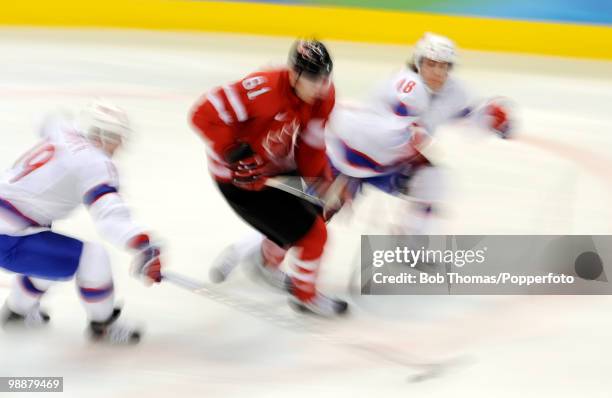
{"points": [[52, 179], [376, 138]]}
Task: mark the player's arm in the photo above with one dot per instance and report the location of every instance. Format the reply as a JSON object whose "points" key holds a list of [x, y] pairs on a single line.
{"points": [[221, 114], [313, 164], [403, 94], [216, 121], [220, 119], [99, 188], [492, 114], [408, 98]]}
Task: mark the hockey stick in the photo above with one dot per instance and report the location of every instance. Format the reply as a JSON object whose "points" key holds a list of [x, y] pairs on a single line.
{"points": [[280, 183], [425, 369], [331, 198]]}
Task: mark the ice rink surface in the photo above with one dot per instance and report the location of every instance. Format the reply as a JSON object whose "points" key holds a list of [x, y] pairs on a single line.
{"points": [[554, 178]]}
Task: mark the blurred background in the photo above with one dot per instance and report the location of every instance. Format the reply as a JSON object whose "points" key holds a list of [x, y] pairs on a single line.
{"points": [[155, 58]]}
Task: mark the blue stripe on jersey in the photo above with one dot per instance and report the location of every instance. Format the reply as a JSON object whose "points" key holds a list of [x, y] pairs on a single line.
{"points": [[97, 192], [92, 295], [359, 159]]}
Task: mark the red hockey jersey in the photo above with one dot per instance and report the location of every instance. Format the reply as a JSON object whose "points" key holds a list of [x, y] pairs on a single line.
{"points": [[264, 111]]}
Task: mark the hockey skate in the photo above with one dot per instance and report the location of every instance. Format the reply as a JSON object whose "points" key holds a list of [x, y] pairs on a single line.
{"points": [[270, 274], [112, 332], [34, 319], [319, 304]]}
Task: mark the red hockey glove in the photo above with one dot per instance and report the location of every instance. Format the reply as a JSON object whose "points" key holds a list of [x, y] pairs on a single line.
{"points": [[248, 168], [249, 173], [499, 119]]}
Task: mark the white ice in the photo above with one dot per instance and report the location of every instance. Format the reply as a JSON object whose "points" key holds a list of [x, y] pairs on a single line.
{"points": [[554, 178]]}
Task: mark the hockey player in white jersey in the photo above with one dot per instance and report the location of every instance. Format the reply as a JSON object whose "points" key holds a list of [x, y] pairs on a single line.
{"points": [[374, 143], [433, 60], [385, 136], [71, 166]]}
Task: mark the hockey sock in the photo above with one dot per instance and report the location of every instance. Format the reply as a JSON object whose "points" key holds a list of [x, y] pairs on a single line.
{"points": [[305, 260], [95, 282]]}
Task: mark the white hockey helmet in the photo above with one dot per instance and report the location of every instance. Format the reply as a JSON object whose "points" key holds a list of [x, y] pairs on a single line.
{"points": [[435, 47], [105, 121]]}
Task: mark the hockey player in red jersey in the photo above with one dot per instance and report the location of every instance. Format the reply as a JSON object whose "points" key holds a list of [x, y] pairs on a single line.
{"points": [[267, 124]]}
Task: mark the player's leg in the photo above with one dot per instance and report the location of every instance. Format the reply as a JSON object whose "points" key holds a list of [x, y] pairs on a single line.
{"points": [[38, 259], [279, 219], [262, 253], [290, 222], [426, 191], [305, 259], [94, 282], [259, 252], [269, 258], [22, 306], [46, 257]]}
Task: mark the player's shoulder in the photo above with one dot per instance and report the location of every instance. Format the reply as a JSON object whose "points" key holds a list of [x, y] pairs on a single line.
{"points": [[272, 78], [264, 91], [411, 91], [76, 145], [92, 164], [406, 81], [78, 152]]}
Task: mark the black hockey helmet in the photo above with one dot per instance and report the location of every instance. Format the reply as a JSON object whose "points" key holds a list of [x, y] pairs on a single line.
{"points": [[311, 58]]}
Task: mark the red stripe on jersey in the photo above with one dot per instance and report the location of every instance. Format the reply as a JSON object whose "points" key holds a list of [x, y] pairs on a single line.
{"points": [[229, 104]]}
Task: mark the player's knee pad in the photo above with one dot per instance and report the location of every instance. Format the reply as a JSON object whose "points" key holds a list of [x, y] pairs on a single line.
{"points": [[312, 244]]}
